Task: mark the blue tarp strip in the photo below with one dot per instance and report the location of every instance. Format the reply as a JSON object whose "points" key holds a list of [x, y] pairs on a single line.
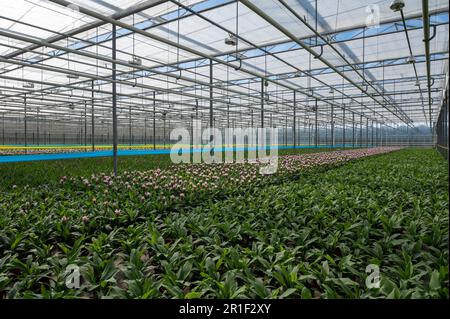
{"points": [[61, 156]]}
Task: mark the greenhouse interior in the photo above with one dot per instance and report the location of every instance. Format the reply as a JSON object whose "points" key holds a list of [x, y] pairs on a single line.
{"points": [[345, 101]]}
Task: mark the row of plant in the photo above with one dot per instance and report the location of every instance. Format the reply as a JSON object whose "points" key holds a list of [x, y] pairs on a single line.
{"points": [[51, 149], [56, 149], [204, 244], [37, 173], [178, 181]]}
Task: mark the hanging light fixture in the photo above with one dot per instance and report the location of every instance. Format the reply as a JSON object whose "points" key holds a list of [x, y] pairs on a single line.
{"points": [[230, 40], [72, 76], [411, 59], [397, 5], [28, 85], [135, 61]]}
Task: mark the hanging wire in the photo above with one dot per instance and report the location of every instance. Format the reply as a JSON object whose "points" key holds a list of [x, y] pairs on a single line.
{"points": [[23, 67], [68, 56], [178, 42], [96, 60], [382, 65], [228, 97], [309, 77], [133, 35], [337, 15], [364, 57], [42, 76], [237, 28], [343, 105], [135, 71]]}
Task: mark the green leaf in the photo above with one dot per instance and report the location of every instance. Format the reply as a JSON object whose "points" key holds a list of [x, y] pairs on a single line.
{"points": [[184, 271], [387, 286], [17, 240], [306, 293], [435, 283], [288, 292], [259, 288], [109, 271], [193, 295], [348, 282]]}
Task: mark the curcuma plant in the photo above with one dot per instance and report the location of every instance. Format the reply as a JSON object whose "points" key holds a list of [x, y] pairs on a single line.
{"points": [[311, 230]]}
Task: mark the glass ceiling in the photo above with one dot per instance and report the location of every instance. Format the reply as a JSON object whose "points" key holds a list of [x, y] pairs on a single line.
{"points": [[57, 55]]}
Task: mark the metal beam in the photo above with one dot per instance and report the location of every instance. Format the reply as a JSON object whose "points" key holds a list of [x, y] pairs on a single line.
{"points": [[174, 44], [279, 27], [118, 15]]}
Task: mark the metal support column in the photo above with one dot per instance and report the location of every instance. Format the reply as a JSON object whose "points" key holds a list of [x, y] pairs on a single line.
{"points": [[37, 126], [3, 129], [164, 129], [228, 115], [367, 132], [154, 120], [211, 95], [25, 120], [332, 126], [409, 135], [343, 127], [372, 141], [295, 121], [360, 130], [285, 130], [145, 131], [262, 102], [309, 133], [376, 134], [129, 127], [353, 130], [92, 117], [85, 126], [316, 129], [114, 99]]}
